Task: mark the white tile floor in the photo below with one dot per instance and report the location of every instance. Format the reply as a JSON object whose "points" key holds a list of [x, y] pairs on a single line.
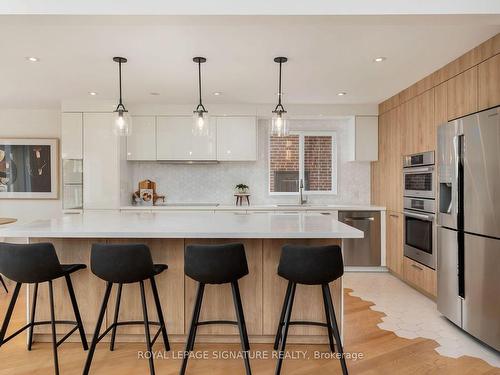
{"points": [[410, 314]]}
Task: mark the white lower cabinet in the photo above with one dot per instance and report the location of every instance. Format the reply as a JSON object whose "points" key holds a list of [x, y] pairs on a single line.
{"points": [[236, 138], [175, 140], [141, 143], [101, 162]]}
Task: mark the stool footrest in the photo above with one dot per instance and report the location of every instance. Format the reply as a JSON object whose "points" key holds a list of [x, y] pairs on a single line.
{"points": [[43, 322], [307, 323], [207, 322], [127, 323]]}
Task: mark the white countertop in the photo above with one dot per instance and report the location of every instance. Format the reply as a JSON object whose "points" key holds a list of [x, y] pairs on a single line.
{"points": [[114, 224], [269, 207]]}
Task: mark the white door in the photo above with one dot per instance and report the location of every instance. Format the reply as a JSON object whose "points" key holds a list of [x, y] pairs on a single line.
{"points": [[175, 140], [236, 138], [72, 136], [101, 162], [141, 143]]}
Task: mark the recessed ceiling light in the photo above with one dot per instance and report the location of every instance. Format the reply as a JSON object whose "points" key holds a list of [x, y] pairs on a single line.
{"points": [[342, 93], [154, 93], [32, 59], [92, 93], [380, 59], [217, 93]]}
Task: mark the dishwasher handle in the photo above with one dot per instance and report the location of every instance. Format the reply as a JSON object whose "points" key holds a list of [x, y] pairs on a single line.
{"points": [[351, 219]]}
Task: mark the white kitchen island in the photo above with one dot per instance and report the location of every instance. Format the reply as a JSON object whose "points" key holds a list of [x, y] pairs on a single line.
{"points": [[167, 234]]}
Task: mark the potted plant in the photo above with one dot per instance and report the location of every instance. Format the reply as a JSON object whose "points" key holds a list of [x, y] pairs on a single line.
{"points": [[242, 189]]}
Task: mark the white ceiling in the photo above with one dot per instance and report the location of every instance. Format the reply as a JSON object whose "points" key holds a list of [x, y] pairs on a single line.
{"points": [[327, 54]]}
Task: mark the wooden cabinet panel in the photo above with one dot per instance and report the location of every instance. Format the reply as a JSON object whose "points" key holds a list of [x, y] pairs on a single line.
{"points": [[489, 83], [394, 242], [440, 104], [420, 276], [393, 184], [418, 128], [462, 94], [380, 171]]}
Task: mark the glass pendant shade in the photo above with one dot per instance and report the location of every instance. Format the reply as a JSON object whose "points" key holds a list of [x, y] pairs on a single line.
{"points": [[201, 123], [122, 123], [279, 125]]}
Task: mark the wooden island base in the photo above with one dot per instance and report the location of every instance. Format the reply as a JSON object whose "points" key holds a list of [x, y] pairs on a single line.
{"points": [[262, 293]]}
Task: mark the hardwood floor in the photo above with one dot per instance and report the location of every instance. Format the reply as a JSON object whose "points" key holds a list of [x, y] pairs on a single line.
{"points": [[383, 353]]}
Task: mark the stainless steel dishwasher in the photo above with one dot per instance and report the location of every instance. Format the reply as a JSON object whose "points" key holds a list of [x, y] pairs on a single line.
{"points": [[362, 251]]}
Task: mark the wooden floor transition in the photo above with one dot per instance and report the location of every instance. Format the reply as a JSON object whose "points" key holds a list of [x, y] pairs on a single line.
{"points": [[383, 353]]}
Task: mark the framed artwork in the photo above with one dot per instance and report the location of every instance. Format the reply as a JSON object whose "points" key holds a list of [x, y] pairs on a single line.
{"points": [[29, 168]]}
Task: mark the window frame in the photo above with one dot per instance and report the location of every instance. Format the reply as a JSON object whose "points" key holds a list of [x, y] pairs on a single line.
{"points": [[302, 134]]}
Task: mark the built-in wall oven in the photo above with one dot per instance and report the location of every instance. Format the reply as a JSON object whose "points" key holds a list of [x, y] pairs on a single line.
{"points": [[420, 230], [420, 208], [419, 175]]}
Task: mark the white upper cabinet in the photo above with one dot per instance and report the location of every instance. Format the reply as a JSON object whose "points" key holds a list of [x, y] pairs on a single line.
{"points": [[141, 143], [236, 138], [175, 140], [101, 162], [72, 136], [364, 145]]}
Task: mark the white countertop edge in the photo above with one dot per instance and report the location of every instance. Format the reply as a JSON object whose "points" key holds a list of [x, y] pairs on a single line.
{"points": [[257, 208], [326, 235]]}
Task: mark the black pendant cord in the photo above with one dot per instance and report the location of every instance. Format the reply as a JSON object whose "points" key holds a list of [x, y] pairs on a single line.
{"points": [[279, 107], [120, 60], [200, 108]]}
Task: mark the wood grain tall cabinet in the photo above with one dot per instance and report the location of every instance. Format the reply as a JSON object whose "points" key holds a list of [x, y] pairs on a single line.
{"points": [[408, 124]]}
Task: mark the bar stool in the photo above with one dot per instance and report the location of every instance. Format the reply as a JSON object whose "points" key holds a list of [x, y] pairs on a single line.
{"points": [[216, 264], [125, 264], [35, 264], [309, 265]]}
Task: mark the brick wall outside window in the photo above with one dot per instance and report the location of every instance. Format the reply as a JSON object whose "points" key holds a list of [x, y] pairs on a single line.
{"points": [[318, 163], [284, 163]]}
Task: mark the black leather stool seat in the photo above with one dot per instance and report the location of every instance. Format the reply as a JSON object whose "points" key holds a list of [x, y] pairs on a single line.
{"points": [[311, 265], [215, 264], [35, 264], [123, 263]]}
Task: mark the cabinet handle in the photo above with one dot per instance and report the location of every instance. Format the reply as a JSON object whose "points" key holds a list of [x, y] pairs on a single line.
{"points": [[417, 267], [393, 215]]}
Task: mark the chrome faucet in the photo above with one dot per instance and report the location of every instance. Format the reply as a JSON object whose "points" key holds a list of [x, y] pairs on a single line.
{"points": [[302, 200]]}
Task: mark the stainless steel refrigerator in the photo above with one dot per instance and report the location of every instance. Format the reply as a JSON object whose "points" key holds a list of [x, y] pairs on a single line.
{"points": [[468, 267]]}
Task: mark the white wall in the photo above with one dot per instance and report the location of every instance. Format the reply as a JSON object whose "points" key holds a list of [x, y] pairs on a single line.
{"points": [[30, 123], [215, 182]]}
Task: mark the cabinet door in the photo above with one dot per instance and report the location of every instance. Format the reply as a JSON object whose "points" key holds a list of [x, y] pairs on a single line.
{"points": [[366, 138], [236, 138], [380, 171], [489, 83], [141, 143], [393, 185], [417, 120], [101, 162], [462, 94], [420, 276], [394, 242], [72, 136], [175, 140]]}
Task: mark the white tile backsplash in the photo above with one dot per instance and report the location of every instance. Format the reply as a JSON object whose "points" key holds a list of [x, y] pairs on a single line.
{"points": [[215, 182]]}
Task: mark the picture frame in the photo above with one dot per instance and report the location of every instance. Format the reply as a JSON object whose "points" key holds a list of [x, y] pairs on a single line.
{"points": [[29, 168]]}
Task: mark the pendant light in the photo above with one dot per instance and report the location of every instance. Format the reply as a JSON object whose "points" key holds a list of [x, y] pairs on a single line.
{"points": [[279, 124], [122, 119], [200, 114]]}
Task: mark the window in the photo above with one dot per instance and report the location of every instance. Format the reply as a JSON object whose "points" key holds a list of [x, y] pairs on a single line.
{"points": [[307, 156]]}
